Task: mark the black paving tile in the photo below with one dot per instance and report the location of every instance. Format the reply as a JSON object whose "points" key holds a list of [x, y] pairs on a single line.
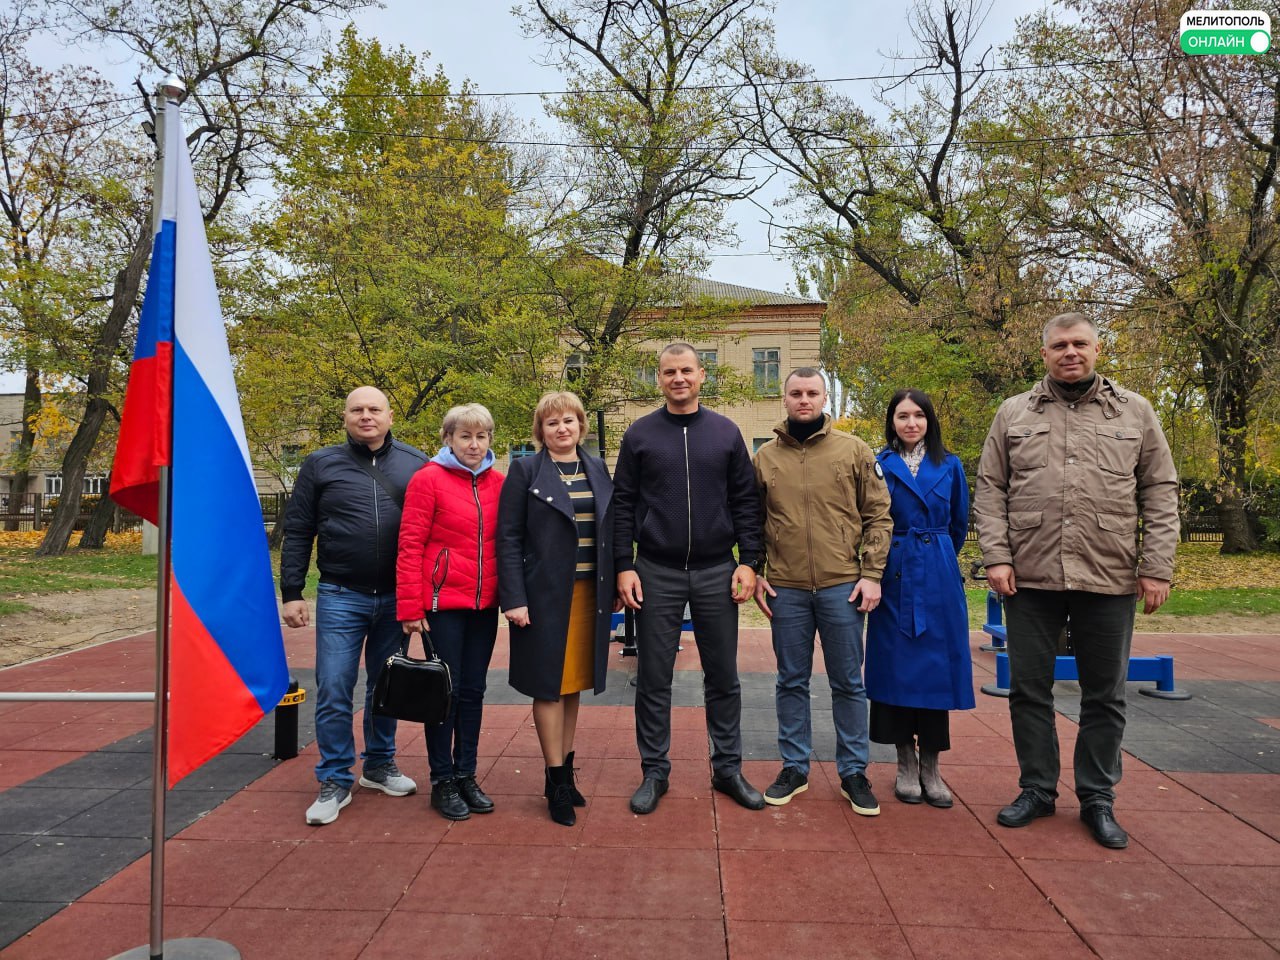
{"points": [[32, 810], [104, 770], [127, 814], [17, 917], [1266, 756], [1191, 755], [61, 869]]}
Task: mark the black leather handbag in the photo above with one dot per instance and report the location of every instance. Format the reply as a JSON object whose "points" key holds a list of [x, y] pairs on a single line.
{"points": [[410, 689]]}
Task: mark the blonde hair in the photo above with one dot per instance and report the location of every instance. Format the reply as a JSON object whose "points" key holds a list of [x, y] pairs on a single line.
{"points": [[558, 401], [473, 416]]}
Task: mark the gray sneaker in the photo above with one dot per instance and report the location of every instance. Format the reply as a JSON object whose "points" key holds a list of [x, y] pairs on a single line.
{"points": [[389, 780], [333, 797]]}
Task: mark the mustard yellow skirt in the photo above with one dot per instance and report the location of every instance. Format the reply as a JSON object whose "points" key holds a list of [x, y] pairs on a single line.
{"points": [[580, 645]]}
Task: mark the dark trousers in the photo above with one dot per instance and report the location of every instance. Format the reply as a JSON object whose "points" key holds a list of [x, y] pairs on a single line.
{"points": [[905, 726], [1101, 633], [464, 640], [715, 626]]}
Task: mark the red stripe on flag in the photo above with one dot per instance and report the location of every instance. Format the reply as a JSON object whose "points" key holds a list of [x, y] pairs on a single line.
{"points": [[144, 443], [210, 708]]}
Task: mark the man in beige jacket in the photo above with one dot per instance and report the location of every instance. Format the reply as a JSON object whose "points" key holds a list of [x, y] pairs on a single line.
{"points": [[826, 533], [1067, 471]]}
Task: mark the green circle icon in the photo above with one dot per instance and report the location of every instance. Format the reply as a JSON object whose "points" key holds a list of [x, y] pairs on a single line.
{"points": [[1260, 41]]}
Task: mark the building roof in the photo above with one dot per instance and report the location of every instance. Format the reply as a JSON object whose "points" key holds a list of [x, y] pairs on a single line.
{"points": [[714, 289]]}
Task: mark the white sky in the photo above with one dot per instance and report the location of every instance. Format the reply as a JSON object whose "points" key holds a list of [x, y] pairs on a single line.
{"points": [[481, 41]]}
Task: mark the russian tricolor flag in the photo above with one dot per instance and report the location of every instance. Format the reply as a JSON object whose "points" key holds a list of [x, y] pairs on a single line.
{"points": [[227, 665]]}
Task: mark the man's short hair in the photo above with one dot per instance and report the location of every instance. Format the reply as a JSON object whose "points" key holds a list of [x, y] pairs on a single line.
{"points": [[557, 402], [1064, 320], [679, 348], [468, 416], [806, 373]]}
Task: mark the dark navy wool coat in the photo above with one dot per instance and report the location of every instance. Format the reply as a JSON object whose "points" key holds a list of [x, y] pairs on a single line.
{"points": [[918, 637], [537, 557]]}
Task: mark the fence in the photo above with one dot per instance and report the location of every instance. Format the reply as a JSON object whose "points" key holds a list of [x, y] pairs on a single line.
{"points": [[1200, 529]]}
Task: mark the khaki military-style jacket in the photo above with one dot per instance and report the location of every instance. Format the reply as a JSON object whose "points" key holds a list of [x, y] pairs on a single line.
{"points": [[826, 509], [1061, 486]]}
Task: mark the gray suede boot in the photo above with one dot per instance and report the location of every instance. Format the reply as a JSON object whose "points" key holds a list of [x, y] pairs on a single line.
{"points": [[936, 793], [907, 787]]}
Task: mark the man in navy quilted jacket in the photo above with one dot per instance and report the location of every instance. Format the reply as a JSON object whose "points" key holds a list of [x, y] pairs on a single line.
{"points": [[685, 496], [347, 498]]}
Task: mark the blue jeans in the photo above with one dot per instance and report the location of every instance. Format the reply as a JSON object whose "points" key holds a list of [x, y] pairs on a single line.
{"points": [[796, 613], [464, 640], [344, 618]]}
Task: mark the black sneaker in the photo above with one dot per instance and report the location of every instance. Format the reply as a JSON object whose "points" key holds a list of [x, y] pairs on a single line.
{"points": [[473, 796], [790, 782], [856, 788], [446, 799]]}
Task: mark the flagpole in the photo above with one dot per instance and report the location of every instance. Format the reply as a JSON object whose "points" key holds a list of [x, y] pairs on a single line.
{"points": [[171, 90]]}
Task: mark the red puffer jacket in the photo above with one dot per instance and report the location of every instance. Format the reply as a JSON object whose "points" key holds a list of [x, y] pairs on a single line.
{"points": [[448, 556]]}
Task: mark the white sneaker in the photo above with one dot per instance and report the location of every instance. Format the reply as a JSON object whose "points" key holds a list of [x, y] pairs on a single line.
{"points": [[333, 797], [389, 780]]}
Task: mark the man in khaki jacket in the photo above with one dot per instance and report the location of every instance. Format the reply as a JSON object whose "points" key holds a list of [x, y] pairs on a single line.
{"points": [[827, 529], [1067, 471]]}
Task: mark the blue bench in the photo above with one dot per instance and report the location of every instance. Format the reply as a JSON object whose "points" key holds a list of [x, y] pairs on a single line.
{"points": [[1158, 668]]}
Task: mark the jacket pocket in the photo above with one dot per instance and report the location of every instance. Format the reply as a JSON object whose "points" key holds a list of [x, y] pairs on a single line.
{"points": [[1118, 523], [1118, 449], [1022, 527], [1028, 446]]}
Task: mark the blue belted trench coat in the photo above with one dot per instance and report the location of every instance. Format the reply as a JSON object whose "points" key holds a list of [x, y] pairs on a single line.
{"points": [[918, 637]]}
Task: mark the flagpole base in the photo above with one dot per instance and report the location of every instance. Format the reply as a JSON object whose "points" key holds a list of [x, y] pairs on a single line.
{"points": [[190, 948]]}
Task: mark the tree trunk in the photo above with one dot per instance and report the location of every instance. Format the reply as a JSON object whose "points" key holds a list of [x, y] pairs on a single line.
{"points": [[94, 535], [76, 460], [1232, 422], [31, 403]]}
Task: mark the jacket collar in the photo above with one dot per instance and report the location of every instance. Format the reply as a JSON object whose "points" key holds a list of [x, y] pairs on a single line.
{"points": [[926, 479], [783, 437], [1104, 392], [362, 450], [551, 490]]}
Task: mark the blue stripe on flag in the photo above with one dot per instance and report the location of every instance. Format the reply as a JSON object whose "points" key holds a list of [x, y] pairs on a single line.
{"points": [[155, 323]]}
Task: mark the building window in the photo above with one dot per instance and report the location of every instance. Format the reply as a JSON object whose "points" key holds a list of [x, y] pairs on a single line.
{"points": [[759, 442], [95, 485], [647, 376], [575, 366], [52, 484], [709, 359], [519, 450], [766, 366]]}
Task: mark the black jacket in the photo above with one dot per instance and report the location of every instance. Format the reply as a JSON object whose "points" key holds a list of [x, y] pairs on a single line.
{"points": [[537, 557], [685, 494], [357, 524]]}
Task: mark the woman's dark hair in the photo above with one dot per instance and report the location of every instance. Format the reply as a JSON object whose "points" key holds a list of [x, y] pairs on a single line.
{"points": [[934, 448]]}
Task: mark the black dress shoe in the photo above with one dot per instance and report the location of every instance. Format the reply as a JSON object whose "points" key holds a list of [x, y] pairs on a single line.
{"points": [[446, 799], [742, 793], [645, 799], [1026, 808], [1101, 821], [473, 796]]}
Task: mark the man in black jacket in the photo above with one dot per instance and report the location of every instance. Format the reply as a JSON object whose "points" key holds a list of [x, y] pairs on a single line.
{"points": [[350, 496], [684, 493]]}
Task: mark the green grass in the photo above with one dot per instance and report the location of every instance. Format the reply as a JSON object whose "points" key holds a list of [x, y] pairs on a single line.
{"points": [[1236, 601], [12, 606], [22, 572]]}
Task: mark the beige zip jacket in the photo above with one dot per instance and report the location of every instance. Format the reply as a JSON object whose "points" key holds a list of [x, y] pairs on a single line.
{"points": [[826, 509], [1061, 486]]}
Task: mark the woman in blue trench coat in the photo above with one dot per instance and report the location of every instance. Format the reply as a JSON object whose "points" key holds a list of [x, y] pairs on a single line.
{"points": [[555, 584], [918, 665]]}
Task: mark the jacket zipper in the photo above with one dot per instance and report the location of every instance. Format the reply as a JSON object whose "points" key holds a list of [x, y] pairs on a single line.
{"points": [[688, 501], [377, 525], [475, 492], [808, 523]]}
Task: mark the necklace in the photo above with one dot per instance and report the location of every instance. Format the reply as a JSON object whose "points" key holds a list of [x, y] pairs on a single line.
{"points": [[569, 477]]}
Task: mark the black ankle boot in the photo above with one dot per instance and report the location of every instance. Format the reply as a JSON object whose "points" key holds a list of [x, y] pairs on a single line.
{"points": [[560, 802], [578, 799]]}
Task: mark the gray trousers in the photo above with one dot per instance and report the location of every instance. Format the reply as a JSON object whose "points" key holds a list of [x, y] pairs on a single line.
{"points": [[715, 623], [1101, 634]]}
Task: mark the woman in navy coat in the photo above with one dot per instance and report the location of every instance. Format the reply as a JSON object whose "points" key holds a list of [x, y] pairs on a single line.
{"points": [[918, 665], [555, 584]]}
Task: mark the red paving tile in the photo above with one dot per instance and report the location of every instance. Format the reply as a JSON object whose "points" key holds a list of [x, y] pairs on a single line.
{"points": [[925, 830], [319, 876], [532, 880], [1060, 837], [1235, 792], [517, 818], [619, 777], [453, 936], [197, 873], [1250, 894], [590, 938], [91, 931], [261, 934], [1143, 899], [1112, 947], [849, 941], [819, 886], [948, 891], [678, 823], [964, 942], [808, 822], [1268, 823], [1270, 721], [1209, 837], [653, 884], [19, 766]]}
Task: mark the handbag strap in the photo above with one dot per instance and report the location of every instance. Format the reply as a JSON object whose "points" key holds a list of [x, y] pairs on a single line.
{"points": [[428, 647], [368, 466]]}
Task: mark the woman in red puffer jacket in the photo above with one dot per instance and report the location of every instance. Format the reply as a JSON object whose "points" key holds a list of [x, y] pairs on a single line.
{"points": [[447, 586]]}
